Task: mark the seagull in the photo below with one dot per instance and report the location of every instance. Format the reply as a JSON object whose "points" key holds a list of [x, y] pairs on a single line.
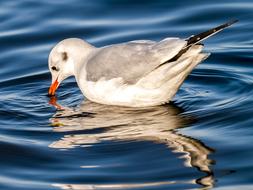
{"points": [[134, 74]]}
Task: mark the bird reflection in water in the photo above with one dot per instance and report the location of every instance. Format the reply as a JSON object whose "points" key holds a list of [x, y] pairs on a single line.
{"points": [[157, 124]]}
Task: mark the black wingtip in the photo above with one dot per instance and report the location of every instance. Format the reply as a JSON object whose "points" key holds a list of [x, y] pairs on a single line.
{"points": [[202, 36], [229, 23], [196, 39]]}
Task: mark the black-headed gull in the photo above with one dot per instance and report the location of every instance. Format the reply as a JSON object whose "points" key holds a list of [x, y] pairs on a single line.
{"points": [[136, 73]]}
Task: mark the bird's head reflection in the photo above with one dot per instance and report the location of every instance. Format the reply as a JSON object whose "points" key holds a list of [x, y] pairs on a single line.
{"points": [[157, 124]]}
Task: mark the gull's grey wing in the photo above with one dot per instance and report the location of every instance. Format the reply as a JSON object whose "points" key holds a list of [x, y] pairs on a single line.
{"points": [[131, 61]]}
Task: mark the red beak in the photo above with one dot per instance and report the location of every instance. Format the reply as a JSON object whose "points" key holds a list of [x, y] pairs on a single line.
{"points": [[53, 88]]}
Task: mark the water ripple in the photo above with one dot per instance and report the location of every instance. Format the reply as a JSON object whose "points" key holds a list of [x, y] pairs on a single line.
{"points": [[203, 139]]}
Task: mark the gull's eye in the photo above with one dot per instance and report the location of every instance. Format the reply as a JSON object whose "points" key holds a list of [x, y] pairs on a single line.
{"points": [[54, 68]]}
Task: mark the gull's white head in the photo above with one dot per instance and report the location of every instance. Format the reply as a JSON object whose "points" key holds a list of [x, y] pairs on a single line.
{"points": [[63, 58]]}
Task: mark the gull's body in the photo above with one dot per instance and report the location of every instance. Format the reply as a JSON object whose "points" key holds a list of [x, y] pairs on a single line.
{"points": [[136, 74], [108, 77]]}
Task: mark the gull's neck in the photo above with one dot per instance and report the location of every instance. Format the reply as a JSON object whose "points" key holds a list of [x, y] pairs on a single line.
{"points": [[82, 54]]}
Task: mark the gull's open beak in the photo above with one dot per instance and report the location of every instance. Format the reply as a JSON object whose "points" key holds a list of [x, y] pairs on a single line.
{"points": [[53, 88]]}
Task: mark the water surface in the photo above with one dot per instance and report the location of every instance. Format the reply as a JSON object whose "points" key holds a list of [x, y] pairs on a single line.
{"points": [[202, 140]]}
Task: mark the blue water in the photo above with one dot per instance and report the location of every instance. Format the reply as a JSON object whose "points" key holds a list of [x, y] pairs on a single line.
{"points": [[203, 140]]}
